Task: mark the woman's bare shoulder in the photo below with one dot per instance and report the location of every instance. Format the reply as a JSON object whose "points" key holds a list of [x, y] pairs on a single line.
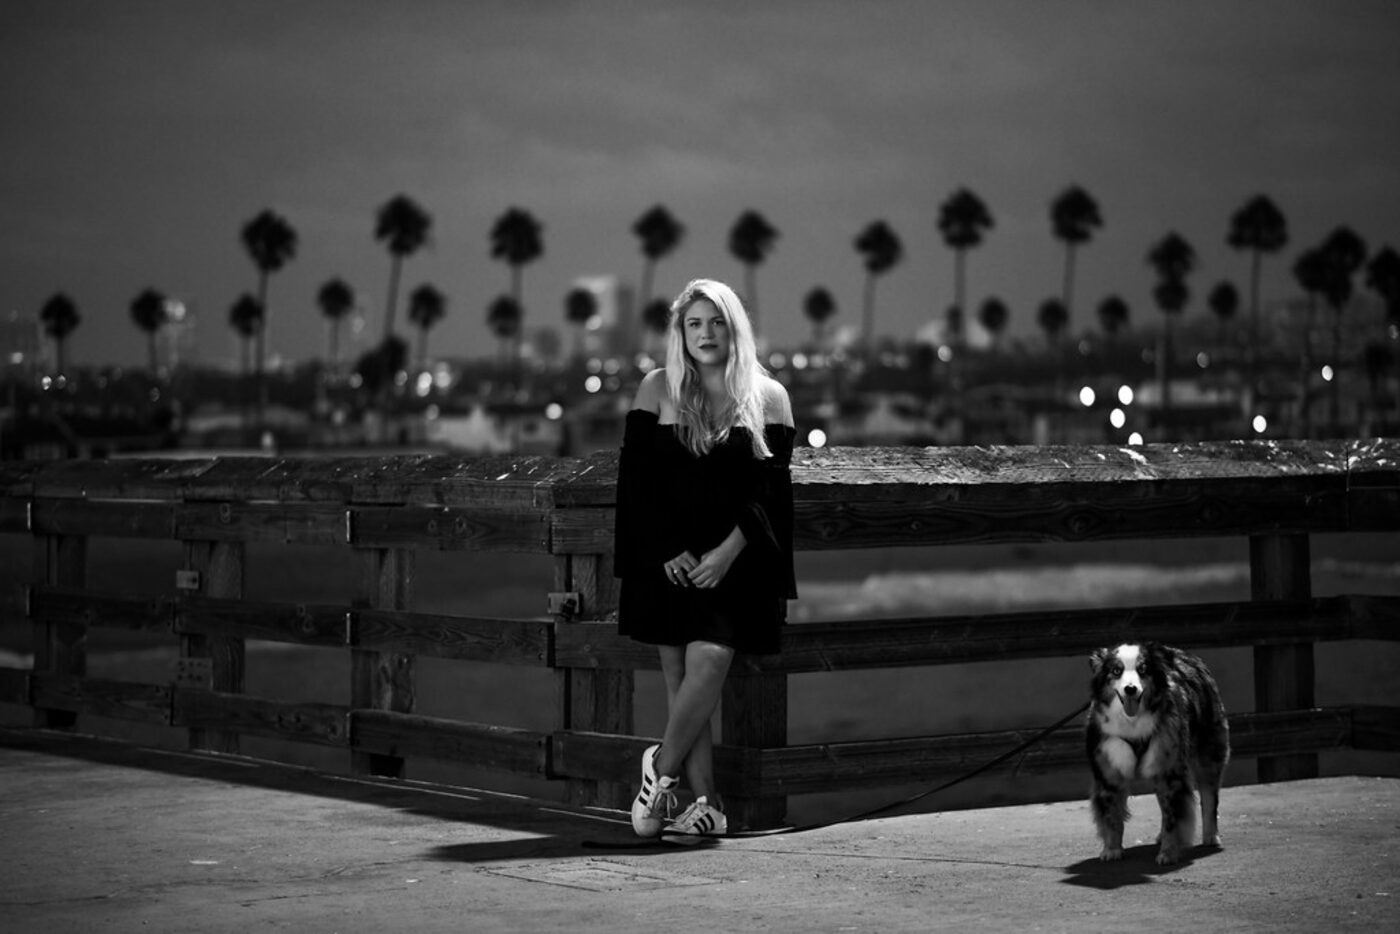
{"points": [[777, 407], [651, 391]]}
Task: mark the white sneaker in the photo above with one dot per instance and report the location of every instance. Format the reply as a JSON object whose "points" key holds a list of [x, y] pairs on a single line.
{"points": [[700, 820], [656, 799]]}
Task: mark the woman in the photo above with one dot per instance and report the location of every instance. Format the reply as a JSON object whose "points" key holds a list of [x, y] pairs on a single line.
{"points": [[704, 536]]}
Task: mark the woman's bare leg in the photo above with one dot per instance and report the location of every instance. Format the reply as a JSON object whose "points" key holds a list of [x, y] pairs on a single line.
{"points": [[694, 681]]}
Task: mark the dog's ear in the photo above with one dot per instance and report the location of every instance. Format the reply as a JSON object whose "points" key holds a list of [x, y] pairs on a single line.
{"points": [[1097, 658]]}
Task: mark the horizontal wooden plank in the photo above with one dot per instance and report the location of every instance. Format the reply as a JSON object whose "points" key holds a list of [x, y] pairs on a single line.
{"points": [[119, 700], [117, 518], [844, 766], [119, 478], [897, 643], [616, 758], [825, 767], [14, 685], [98, 609], [290, 523], [300, 623], [451, 528], [1374, 617], [1376, 728], [496, 747], [508, 641], [325, 724]]}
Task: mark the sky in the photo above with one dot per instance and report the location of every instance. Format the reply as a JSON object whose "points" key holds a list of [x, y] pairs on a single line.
{"points": [[138, 137]]}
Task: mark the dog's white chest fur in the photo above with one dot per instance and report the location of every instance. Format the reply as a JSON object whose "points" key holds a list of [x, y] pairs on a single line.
{"points": [[1124, 737]]}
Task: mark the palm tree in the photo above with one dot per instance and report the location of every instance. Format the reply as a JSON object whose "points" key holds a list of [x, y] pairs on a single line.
{"points": [[1173, 259], [580, 305], [993, 315], [962, 219], [660, 234], [60, 318], [1053, 318], [516, 239], [336, 300], [148, 311], [503, 318], [1344, 253], [1310, 272], [819, 306], [1224, 301], [1383, 278], [750, 241], [245, 317], [1259, 227], [1074, 215], [656, 315], [426, 306], [1379, 359], [271, 243], [882, 249], [402, 226], [1113, 316]]}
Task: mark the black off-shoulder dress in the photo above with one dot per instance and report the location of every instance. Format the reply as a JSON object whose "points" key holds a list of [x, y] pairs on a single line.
{"points": [[670, 501]]}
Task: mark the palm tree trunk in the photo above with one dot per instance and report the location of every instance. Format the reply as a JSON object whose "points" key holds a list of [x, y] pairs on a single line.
{"points": [[1334, 407], [260, 353], [751, 294], [394, 270], [1254, 333], [868, 316], [151, 350], [958, 287], [648, 272], [422, 348], [335, 345], [1306, 361], [244, 364], [1164, 365], [58, 355], [1069, 286]]}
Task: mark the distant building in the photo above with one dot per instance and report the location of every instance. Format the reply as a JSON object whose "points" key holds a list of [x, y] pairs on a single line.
{"points": [[21, 344], [613, 330], [175, 340]]}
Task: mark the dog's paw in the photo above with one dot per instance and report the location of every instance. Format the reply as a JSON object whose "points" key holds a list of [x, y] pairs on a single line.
{"points": [[1214, 841], [1111, 853], [1166, 857]]}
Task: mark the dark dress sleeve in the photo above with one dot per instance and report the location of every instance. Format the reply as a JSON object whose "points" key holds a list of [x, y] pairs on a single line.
{"points": [[765, 515], [633, 494]]}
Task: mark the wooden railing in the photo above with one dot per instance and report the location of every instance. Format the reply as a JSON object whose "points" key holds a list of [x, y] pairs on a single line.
{"points": [[384, 509]]}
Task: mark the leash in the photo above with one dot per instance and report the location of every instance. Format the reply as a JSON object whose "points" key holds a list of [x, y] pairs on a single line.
{"points": [[851, 818]]}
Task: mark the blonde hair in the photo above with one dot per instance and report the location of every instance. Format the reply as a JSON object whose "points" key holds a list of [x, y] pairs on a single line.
{"points": [[701, 429]]}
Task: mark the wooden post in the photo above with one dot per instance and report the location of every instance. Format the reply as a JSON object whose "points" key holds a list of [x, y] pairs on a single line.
{"points": [[382, 680], [753, 717], [596, 700], [1280, 569], [220, 566], [59, 648]]}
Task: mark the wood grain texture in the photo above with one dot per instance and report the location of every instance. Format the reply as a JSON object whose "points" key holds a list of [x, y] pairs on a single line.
{"points": [[395, 735], [118, 700], [216, 711]]}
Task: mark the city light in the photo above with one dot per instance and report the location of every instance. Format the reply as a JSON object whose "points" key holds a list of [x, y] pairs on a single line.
{"points": [[1086, 396], [1203, 359], [816, 438], [432, 412], [799, 361], [1135, 438], [1125, 394], [612, 366], [554, 411], [595, 365], [945, 353], [1117, 419], [1327, 373], [1261, 424], [592, 384], [424, 384], [777, 360]]}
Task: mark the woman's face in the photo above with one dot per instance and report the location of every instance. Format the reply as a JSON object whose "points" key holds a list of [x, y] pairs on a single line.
{"points": [[706, 333]]}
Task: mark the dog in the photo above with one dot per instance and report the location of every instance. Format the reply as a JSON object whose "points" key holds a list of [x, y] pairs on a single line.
{"points": [[1155, 716]]}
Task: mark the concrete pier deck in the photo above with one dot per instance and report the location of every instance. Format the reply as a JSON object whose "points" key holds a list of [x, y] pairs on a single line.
{"points": [[98, 836]]}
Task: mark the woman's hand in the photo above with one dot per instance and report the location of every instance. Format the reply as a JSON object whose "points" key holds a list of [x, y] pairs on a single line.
{"points": [[678, 569], [714, 564]]}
